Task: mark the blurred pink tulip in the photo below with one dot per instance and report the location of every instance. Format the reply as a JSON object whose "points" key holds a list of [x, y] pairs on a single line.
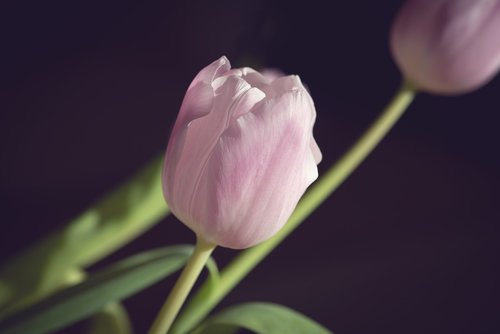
{"points": [[447, 46], [241, 154]]}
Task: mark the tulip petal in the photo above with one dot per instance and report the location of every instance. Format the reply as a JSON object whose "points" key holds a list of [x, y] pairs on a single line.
{"points": [[290, 82], [198, 99], [197, 103], [316, 152], [255, 79], [212, 71], [259, 169], [232, 95]]}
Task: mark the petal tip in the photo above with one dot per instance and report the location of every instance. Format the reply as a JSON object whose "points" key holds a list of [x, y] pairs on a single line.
{"points": [[223, 60]]}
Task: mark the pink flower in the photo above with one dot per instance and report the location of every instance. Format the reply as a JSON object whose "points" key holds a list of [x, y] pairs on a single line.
{"points": [[241, 154], [447, 46]]}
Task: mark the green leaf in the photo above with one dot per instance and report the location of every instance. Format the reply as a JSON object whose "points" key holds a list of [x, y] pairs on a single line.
{"points": [[115, 283], [262, 318], [113, 221], [112, 319], [219, 329]]}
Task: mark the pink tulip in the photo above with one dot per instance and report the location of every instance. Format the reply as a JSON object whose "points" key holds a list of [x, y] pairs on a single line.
{"points": [[241, 154], [447, 46]]}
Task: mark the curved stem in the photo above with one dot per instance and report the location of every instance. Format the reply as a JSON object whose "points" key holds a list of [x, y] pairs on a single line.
{"points": [[184, 284], [206, 298]]}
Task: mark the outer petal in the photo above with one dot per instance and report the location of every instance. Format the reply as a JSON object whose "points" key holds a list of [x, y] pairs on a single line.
{"points": [[315, 151], [258, 171], [198, 139], [212, 71], [197, 102], [233, 97], [200, 94]]}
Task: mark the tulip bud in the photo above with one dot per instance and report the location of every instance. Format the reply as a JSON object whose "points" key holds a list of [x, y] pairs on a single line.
{"points": [[241, 154], [447, 46]]}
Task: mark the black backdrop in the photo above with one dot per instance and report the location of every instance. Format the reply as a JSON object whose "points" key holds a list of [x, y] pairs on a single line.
{"points": [[409, 244]]}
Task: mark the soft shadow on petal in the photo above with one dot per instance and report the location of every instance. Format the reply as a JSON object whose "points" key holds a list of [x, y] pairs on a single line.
{"points": [[259, 81], [253, 77], [246, 102]]}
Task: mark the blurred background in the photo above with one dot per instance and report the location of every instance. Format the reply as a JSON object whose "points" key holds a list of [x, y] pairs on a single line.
{"points": [[409, 244]]}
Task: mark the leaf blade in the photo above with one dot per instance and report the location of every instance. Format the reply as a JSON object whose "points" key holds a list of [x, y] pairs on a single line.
{"points": [[112, 284], [117, 218], [262, 318]]}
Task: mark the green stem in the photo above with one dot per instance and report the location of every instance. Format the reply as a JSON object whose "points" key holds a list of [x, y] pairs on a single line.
{"points": [[184, 284], [206, 298]]}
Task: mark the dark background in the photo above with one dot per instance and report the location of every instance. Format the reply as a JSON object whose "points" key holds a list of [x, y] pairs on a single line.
{"points": [[409, 244]]}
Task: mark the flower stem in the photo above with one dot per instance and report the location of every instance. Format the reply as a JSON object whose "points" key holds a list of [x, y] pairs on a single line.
{"points": [[184, 283], [206, 298]]}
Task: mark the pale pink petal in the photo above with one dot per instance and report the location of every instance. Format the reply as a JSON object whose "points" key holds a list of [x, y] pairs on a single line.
{"points": [[246, 102], [212, 71], [198, 139], [447, 46], [316, 152], [233, 97], [290, 82], [197, 102], [272, 74], [257, 80], [260, 167], [199, 96]]}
